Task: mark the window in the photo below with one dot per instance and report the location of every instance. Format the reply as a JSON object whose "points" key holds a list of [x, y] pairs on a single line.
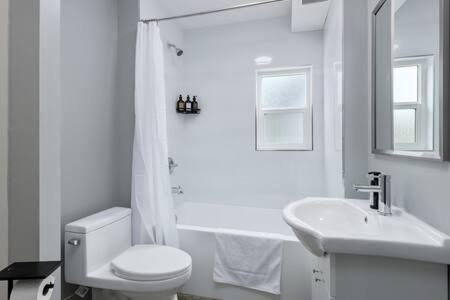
{"points": [[284, 113], [413, 103]]}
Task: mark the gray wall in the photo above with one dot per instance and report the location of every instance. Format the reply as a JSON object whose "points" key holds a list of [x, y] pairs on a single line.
{"points": [[34, 128], [421, 187], [50, 134], [24, 130], [98, 39], [128, 17], [355, 95], [4, 20]]}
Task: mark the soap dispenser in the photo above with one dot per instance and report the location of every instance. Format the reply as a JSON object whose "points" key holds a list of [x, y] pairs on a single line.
{"points": [[188, 105], [181, 107], [194, 105]]}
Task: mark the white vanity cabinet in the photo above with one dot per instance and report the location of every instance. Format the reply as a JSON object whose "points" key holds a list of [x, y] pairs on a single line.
{"points": [[359, 277]]}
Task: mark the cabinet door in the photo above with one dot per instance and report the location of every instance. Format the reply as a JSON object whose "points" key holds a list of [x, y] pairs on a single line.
{"points": [[321, 279], [320, 290]]}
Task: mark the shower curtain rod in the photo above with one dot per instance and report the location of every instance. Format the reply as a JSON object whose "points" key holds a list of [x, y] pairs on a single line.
{"points": [[213, 11]]}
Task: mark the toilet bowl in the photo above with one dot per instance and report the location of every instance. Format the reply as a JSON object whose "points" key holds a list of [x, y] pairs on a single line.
{"points": [[99, 254]]}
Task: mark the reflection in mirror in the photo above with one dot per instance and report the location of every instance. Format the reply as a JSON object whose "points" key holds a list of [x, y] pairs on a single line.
{"points": [[415, 65], [383, 71], [407, 69]]}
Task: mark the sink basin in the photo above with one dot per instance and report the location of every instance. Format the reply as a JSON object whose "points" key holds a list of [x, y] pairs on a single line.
{"points": [[329, 225]]}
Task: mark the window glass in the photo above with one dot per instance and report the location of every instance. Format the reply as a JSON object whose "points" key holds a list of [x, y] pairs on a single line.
{"points": [[287, 91], [406, 87], [405, 126], [283, 128]]}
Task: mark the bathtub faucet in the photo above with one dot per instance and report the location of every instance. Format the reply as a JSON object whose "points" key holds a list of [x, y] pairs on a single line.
{"points": [[177, 190]]}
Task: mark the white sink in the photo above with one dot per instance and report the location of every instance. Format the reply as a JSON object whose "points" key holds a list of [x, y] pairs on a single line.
{"points": [[326, 225]]}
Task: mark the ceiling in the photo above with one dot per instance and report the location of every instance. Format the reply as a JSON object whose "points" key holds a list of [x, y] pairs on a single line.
{"points": [[312, 15], [307, 17]]}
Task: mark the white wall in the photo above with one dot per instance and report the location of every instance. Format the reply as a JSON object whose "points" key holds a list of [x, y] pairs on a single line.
{"points": [[4, 43], [419, 186], [333, 44], [98, 42], [170, 31], [216, 149]]}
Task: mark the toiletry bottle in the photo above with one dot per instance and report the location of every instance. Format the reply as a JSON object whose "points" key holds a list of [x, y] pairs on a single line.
{"points": [[181, 107], [188, 105], [194, 105]]}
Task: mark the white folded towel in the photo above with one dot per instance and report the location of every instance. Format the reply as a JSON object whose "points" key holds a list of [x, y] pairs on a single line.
{"points": [[251, 260]]}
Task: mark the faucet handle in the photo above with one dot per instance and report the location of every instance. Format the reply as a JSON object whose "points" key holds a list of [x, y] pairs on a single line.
{"points": [[374, 175]]}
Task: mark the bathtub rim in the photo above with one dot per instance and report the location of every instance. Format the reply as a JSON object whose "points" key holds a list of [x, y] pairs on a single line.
{"points": [[204, 229]]}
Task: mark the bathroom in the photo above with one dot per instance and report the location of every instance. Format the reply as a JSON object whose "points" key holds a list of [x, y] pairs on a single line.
{"points": [[79, 78]]}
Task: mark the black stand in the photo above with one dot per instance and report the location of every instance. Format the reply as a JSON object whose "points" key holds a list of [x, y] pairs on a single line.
{"points": [[29, 271]]}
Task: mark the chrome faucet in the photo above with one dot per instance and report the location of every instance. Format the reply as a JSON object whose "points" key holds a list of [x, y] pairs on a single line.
{"points": [[380, 192]]}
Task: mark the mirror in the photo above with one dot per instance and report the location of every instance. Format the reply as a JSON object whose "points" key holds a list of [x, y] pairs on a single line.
{"points": [[409, 97]]}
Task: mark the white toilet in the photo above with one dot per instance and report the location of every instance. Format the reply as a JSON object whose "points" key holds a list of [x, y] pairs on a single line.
{"points": [[99, 254]]}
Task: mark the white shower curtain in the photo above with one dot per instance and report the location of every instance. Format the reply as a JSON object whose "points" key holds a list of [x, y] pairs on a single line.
{"points": [[152, 203]]}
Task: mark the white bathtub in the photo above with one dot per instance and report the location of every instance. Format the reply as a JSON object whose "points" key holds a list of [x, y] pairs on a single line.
{"points": [[197, 223]]}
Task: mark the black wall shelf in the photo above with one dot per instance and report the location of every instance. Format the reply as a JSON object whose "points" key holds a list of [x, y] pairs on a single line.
{"points": [[189, 113], [28, 271]]}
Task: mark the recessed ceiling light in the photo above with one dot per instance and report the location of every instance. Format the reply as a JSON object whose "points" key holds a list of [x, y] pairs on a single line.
{"points": [[263, 60]]}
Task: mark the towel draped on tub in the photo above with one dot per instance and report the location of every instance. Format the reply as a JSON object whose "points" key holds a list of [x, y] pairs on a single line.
{"points": [[248, 259]]}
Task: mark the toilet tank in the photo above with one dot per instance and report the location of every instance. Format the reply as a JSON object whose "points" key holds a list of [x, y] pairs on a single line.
{"points": [[94, 241]]}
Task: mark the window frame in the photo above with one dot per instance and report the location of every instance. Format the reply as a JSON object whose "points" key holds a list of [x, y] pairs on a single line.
{"points": [[307, 111], [425, 99]]}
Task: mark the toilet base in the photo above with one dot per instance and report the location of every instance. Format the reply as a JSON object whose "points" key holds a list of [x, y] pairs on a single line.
{"points": [[100, 294]]}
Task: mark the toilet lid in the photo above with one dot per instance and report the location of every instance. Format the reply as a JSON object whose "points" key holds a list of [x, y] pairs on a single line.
{"points": [[151, 262]]}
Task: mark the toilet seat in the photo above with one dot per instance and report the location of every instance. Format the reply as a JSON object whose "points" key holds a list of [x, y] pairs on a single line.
{"points": [[151, 263]]}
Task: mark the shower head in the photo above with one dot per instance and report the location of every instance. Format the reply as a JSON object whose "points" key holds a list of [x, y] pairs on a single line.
{"points": [[178, 51]]}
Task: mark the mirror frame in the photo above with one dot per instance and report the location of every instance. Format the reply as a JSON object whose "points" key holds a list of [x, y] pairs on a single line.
{"points": [[443, 153]]}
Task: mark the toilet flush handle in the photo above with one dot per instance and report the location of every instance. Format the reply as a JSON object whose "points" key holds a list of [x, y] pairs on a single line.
{"points": [[74, 242]]}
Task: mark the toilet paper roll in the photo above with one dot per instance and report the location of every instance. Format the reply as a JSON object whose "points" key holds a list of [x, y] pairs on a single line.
{"points": [[33, 289]]}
